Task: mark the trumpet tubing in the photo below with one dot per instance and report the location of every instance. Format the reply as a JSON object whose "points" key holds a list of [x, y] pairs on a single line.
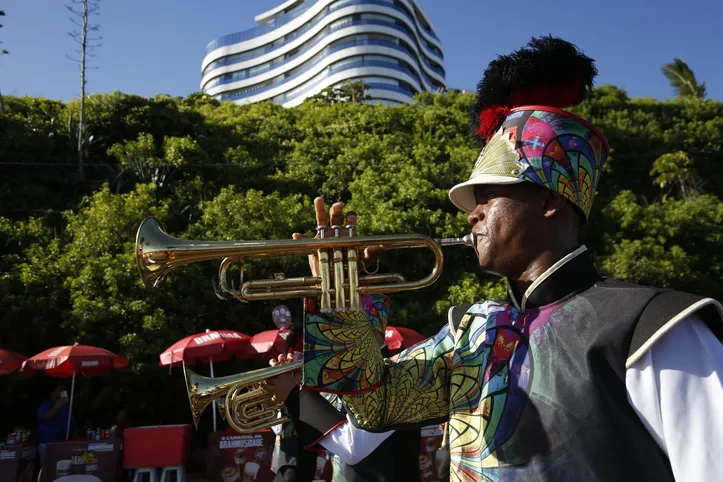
{"points": [[157, 254], [244, 405]]}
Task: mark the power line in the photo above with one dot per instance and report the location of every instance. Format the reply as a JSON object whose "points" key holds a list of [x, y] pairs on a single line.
{"points": [[633, 155]]}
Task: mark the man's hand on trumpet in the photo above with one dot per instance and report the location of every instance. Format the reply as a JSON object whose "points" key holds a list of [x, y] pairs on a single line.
{"points": [[330, 226]]}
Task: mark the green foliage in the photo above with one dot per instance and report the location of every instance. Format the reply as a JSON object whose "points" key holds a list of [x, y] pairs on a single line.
{"points": [[215, 170], [673, 172], [674, 243], [470, 289], [151, 164], [353, 91], [683, 80]]}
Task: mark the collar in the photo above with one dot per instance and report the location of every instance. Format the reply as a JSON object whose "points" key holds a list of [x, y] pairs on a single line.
{"points": [[570, 274]]}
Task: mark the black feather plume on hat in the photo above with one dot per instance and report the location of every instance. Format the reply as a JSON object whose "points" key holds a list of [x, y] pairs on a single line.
{"points": [[548, 71]]}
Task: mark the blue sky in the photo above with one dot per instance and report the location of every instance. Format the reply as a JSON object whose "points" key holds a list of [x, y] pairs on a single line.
{"points": [[156, 46]]}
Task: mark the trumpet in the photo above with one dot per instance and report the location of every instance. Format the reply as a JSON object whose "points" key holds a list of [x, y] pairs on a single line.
{"points": [[339, 284], [244, 405]]}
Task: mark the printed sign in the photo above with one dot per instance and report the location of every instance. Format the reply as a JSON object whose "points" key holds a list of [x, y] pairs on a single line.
{"points": [[99, 461], [234, 457], [429, 455]]}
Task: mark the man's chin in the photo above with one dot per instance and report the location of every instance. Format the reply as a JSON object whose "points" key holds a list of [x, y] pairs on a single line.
{"points": [[487, 268], [492, 271]]}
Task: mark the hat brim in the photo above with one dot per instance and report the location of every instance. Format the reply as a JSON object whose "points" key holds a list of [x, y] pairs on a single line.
{"points": [[462, 195]]}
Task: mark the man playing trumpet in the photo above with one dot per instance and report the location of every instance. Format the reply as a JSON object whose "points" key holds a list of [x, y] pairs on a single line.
{"points": [[573, 376]]}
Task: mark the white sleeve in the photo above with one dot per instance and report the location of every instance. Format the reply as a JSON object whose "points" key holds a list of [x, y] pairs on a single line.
{"points": [[352, 444], [677, 391], [278, 429]]}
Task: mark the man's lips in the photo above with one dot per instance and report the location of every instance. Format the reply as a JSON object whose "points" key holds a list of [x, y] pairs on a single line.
{"points": [[479, 232]]}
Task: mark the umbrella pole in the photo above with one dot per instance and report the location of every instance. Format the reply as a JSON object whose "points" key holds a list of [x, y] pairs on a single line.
{"points": [[214, 401], [70, 408]]}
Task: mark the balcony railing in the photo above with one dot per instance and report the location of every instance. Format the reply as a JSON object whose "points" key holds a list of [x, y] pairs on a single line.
{"points": [[325, 52], [235, 38], [329, 31], [235, 95], [244, 35]]}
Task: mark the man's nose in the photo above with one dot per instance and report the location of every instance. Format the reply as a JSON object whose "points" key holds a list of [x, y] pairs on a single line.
{"points": [[475, 216]]}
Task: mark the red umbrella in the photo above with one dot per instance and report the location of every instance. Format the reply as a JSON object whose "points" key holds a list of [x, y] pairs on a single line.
{"points": [[10, 361], [399, 338], [216, 345], [67, 361], [269, 344], [208, 347]]}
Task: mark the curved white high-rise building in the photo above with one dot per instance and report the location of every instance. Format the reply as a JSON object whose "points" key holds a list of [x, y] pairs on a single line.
{"points": [[304, 46]]}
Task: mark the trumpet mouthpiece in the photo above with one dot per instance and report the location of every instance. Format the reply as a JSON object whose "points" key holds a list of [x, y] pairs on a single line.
{"points": [[467, 240]]}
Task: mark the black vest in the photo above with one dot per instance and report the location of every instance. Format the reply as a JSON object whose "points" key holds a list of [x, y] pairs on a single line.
{"points": [[572, 420]]}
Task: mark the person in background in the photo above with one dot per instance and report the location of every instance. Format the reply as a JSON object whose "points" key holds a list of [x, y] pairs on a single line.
{"points": [[285, 458], [121, 423], [53, 416]]}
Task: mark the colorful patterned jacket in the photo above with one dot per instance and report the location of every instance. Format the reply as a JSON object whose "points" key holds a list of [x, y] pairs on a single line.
{"points": [[532, 391]]}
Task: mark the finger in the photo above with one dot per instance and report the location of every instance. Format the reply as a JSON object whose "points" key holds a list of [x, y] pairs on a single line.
{"points": [[273, 362], [372, 253], [351, 220], [282, 359], [320, 209], [335, 213], [299, 236]]}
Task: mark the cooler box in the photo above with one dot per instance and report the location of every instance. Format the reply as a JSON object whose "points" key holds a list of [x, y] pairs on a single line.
{"points": [[156, 446]]}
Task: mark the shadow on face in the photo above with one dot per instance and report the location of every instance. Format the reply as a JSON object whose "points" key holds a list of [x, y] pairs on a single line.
{"points": [[515, 224]]}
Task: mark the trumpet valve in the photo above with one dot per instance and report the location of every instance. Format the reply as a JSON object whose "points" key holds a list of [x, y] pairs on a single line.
{"points": [[340, 297], [354, 298]]}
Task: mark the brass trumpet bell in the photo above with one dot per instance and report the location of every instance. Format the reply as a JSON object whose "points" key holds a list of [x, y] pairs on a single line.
{"points": [[244, 405], [339, 284]]}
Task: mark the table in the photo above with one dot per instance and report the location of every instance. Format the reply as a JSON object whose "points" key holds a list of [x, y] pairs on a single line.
{"points": [[17, 462], [96, 460]]}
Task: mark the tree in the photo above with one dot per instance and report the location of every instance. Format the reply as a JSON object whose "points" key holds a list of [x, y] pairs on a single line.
{"points": [[2, 52], [683, 80], [350, 91], [87, 44], [218, 171], [674, 172]]}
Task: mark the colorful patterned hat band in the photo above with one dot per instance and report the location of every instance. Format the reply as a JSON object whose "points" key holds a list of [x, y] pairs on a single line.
{"points": [[544, 145]]}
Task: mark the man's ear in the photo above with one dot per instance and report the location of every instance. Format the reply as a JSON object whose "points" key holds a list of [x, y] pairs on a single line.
{"points": [[552, 204]]}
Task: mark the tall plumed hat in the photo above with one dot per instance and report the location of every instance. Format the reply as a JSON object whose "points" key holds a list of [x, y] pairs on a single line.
{"points": [[525, 134]]}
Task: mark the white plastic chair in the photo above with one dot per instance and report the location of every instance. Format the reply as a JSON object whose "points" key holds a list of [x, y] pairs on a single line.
{"points": [[180, 473], [153, 474]]}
